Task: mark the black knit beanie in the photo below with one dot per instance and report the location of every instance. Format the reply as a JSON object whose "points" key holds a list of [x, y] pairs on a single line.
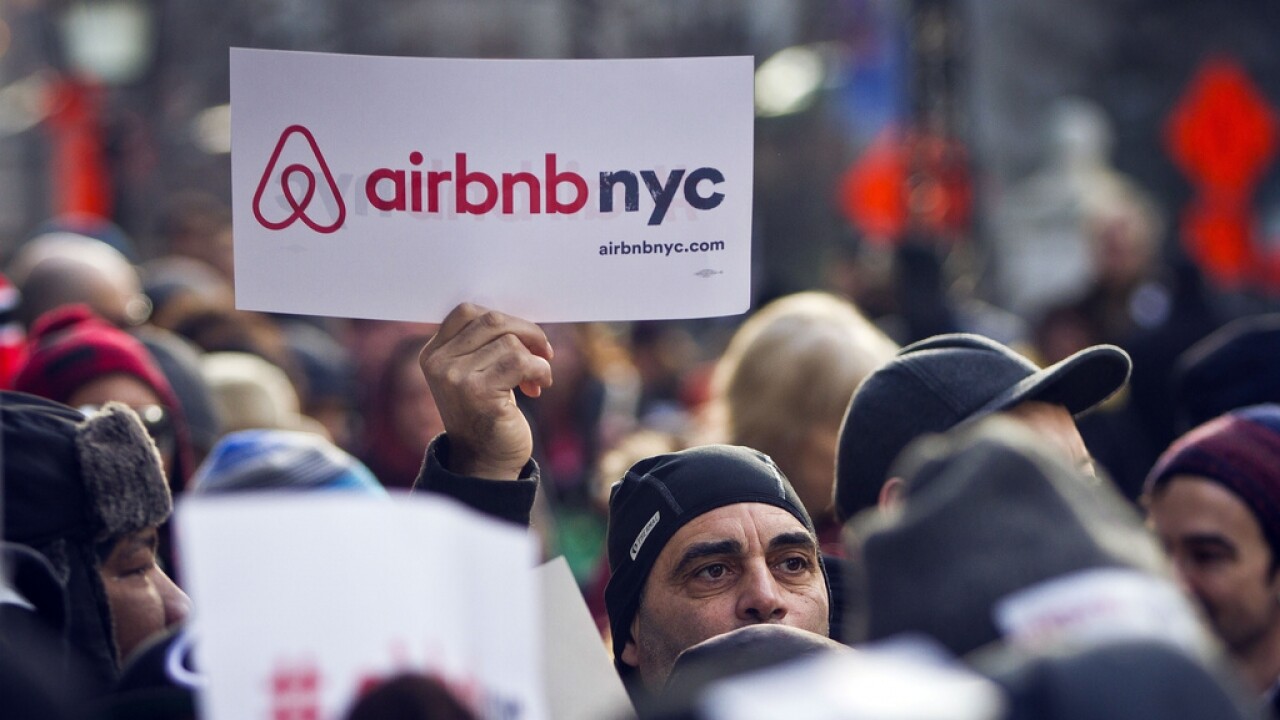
{"points": [[658, 495]]}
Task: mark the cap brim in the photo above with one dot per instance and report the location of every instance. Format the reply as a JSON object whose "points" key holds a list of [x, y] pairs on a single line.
{"points": [[1079, 383]]}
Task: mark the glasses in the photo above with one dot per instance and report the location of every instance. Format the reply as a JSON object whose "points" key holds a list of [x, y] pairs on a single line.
{"points": [[154, 418]]}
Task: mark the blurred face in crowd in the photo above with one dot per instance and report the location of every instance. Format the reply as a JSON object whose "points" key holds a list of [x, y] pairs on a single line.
{"points": [[1054, 424], [119, 387], [143, 599], [1122, 243], [738, 565], [1222, 556]]}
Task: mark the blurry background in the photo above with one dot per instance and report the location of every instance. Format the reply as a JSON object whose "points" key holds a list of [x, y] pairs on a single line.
{"points": [[107, 105]]}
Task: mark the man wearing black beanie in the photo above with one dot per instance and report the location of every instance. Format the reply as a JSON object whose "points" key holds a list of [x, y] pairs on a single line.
{"points": [[700, 542]]}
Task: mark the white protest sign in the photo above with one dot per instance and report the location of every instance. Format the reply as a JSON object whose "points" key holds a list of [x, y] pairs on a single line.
{"points": [[869, 684], [556, 190], [303, 601], [581, 681]]}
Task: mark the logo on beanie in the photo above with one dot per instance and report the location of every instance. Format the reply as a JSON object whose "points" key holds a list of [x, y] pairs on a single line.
{"points": [[298, 186], [644, 534]]}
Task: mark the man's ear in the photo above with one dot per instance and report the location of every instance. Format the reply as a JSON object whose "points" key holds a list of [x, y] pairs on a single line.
{"points": [[890, 494], [630, 654]]}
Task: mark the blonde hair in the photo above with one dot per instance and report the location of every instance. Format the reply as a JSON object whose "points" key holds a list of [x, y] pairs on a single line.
{"points": [[791, 368]]}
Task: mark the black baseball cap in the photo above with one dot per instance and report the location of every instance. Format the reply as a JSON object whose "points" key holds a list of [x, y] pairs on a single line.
{"points": [[938, 383]]}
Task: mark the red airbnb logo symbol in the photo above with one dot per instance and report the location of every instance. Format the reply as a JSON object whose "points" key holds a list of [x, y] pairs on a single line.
{"points": [[298, 207]]}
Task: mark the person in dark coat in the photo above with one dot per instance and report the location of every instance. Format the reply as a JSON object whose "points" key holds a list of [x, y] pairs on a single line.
{"points": [[87, 495]]}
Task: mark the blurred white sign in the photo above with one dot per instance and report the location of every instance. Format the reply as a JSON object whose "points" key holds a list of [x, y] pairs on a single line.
{"points": [[304, 601], [893, 683], [581, 681], [557, 190], [1091, 607]]}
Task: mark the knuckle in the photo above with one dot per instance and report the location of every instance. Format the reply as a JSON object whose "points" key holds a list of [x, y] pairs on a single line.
{"points": [[510, 365], [510, 343], [491, 319], [458, 317], [453, 375]]}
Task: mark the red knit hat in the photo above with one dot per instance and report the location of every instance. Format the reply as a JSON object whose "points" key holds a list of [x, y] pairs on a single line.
{"points": [[71, 346], [1240, 451]]}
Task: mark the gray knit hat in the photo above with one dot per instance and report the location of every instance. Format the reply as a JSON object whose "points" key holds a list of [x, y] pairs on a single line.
{"points": [[987, 514], [935, 384]]}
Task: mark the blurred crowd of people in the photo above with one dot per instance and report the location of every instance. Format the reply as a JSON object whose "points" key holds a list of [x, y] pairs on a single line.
{"points": [[129, 381]]}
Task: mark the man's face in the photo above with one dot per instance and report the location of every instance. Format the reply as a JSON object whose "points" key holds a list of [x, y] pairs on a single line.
{"points": [[143, 599], [1222, 556], [735, 566], [1054, 424]]}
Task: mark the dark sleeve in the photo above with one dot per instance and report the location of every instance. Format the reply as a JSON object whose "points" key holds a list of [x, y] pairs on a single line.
{"points": [[509, 500]]}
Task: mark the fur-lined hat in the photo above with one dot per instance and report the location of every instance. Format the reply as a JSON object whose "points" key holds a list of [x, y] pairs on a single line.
{"points": [[71, 346], [72, 486]]}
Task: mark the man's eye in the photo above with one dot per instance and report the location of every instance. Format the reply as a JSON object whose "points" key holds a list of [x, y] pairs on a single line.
{"points": [[139, 570], [794, 564], [1209, 557], [714, 571]]}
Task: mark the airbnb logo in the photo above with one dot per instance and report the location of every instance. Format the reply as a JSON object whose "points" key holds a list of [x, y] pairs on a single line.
{"points": [[299, 208], [291, 184]]}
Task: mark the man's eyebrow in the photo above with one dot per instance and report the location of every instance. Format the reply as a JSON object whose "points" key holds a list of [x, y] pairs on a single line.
{"points": [[698, 551], [144, 540], [1209, 539], [795, 539]]}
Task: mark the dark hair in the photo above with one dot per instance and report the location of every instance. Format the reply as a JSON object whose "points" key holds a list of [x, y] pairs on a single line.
{"points": [[410, 697]]}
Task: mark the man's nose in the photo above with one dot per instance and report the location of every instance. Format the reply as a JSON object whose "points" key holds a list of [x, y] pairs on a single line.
{"points": [[762, 600], [177, 605], [1183, 571]]}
